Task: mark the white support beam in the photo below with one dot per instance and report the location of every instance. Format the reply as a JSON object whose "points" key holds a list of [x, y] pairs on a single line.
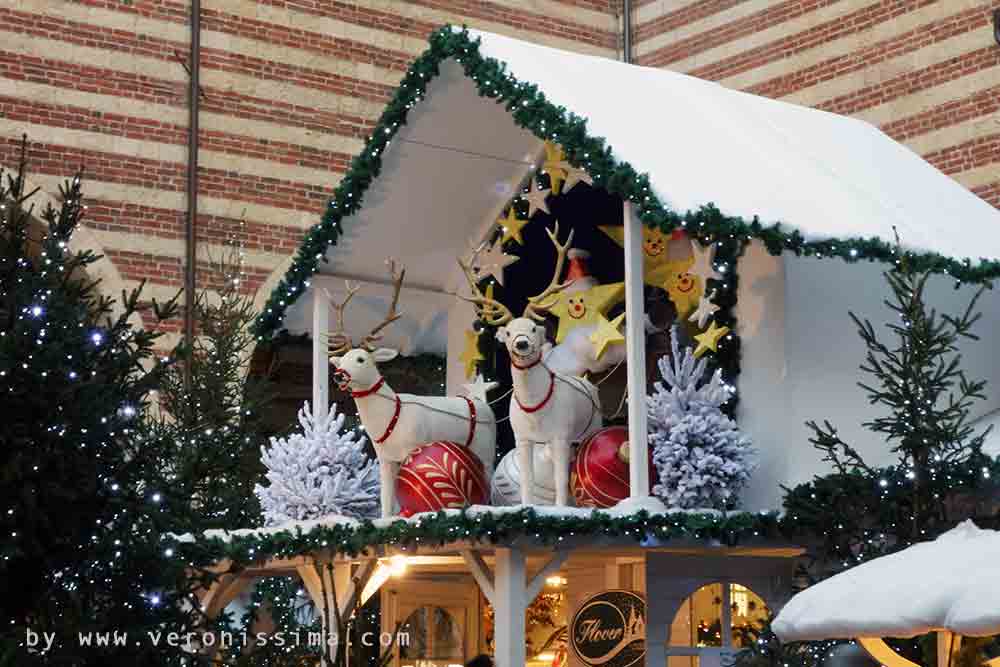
{"points": [[481, 573], [349, 597], [320, 360], [551, 567], [511, 602], [635, 342]]}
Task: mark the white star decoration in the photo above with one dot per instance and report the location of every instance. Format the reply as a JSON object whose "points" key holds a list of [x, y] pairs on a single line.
{"points": [[574, 176], [704, 310], [703, 262], [536, 199], [478, 388], [492, 260]]}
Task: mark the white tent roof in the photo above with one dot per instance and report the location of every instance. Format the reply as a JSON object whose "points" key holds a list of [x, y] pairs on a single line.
{"points": [[826, 175], [449, 171], [952, 583]]}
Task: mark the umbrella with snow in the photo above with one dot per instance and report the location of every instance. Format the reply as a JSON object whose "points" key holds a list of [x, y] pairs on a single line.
{"points": [[950, 586]]}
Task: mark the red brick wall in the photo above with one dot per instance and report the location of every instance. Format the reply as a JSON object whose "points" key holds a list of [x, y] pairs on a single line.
{"points": [[925, 71], [290, 88]]}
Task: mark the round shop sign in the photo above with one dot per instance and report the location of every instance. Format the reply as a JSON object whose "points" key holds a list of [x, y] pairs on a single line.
{"points": [[609, 630]]}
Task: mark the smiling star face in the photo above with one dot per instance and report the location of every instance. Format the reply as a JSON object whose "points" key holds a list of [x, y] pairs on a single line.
{"points": [[654, 242], [576, 305], [682, 287]]}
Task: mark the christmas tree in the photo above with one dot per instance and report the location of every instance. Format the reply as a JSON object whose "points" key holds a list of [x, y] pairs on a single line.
{"points": [[84, 497], [321, 470], [914, 373], [861, 511], [701, 457], [213, 408]]}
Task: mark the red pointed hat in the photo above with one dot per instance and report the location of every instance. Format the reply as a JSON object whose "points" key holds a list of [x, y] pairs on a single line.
{"points": [[578, 272]]}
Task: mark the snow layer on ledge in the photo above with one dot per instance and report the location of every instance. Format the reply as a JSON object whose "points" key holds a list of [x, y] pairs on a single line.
{"points": [[473, 511], [826, 175], [952, 583]]}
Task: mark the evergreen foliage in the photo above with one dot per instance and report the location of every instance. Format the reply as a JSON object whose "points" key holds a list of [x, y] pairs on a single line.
{"points": [[213, 409], [861, 511], [322, 470], [83, 498], [702, 459]]}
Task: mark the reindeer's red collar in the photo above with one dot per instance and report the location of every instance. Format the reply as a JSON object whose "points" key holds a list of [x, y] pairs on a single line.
{"points": [[371, 390], [548, 395], [519, 367], [392, 422]]}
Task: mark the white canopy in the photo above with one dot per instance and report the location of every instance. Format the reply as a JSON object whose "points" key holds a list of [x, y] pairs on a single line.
{"points": [[450, 170], [952, 583]]}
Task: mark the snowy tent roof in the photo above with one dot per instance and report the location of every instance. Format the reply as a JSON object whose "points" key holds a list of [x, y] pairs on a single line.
{"points": [[466, 125], [951, 584]]}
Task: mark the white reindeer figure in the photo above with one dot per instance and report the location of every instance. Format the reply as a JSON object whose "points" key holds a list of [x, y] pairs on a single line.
{"points": [[400, 423], [547, 408]]}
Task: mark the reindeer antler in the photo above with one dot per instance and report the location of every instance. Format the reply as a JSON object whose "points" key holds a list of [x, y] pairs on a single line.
{"points": [[488, 309], [536, 304], [338, 341], [397, 284]]}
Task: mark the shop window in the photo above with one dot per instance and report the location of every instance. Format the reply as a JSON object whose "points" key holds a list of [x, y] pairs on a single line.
{"points": [[434, 639], [716, 618]]}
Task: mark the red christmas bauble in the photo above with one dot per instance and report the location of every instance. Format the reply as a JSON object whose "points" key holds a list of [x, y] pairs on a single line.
{"points": [[599, 476], [440, 475]]}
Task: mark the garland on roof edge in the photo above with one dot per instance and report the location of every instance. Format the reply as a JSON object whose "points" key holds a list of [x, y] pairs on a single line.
{"points": [[501, 528], [531, 110]]}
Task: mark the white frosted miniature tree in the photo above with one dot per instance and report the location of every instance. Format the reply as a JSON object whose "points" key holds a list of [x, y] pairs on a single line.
{"points": [[319, 471], [702, 459]]}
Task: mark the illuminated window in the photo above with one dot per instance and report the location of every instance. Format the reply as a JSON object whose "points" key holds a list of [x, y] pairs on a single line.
{"points": [[434, 638], [714, 618]]}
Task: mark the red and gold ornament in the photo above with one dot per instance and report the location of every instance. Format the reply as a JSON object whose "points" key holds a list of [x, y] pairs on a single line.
{"points": [[599, 476], [438, 476]]}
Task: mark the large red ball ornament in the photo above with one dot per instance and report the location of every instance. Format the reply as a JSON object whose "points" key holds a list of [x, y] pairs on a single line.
{"points": [[599, 476], [440, 475]]}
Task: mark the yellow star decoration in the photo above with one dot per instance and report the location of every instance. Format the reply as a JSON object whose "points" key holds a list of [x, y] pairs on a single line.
{"points": [[656, 265], [585, 308], [660, 271], [683, 288], [512, 226], [709, 340], [471, 355], [553, 166], [606, 334]]}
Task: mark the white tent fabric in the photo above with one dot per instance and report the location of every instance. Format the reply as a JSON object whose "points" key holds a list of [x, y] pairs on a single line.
{"points": [[826, 175], [952, 583]]}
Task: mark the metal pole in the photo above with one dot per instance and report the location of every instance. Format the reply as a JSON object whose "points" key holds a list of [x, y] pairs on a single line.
{"points": [[627, 30], [190, 238], [320, 360]]}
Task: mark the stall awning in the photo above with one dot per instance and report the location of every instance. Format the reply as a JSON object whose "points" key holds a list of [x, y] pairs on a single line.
{"points": [[949, 584], [459, 134]]}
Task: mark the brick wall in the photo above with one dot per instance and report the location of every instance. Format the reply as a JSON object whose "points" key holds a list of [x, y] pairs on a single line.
{"points": [[926, 71], [290, 88]]}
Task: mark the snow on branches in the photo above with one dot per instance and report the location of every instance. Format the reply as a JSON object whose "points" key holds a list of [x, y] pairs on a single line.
{"points": [[702, 459], [319, 471]]}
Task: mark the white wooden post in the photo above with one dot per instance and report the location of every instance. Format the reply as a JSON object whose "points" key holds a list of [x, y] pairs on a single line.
{"points": [[320, 360], [510, 594], [635, 354], [635, 316]]}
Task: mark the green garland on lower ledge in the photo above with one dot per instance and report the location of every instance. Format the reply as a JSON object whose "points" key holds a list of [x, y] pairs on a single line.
{"points": [[488, 528], [531, 110]]}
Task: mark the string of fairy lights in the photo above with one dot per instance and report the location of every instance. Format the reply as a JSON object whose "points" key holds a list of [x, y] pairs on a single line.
{"points": [[531, 110]]}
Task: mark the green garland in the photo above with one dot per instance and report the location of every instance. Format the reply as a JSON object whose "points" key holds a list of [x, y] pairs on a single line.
{"points": [[488, 528], [531, 110]]}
